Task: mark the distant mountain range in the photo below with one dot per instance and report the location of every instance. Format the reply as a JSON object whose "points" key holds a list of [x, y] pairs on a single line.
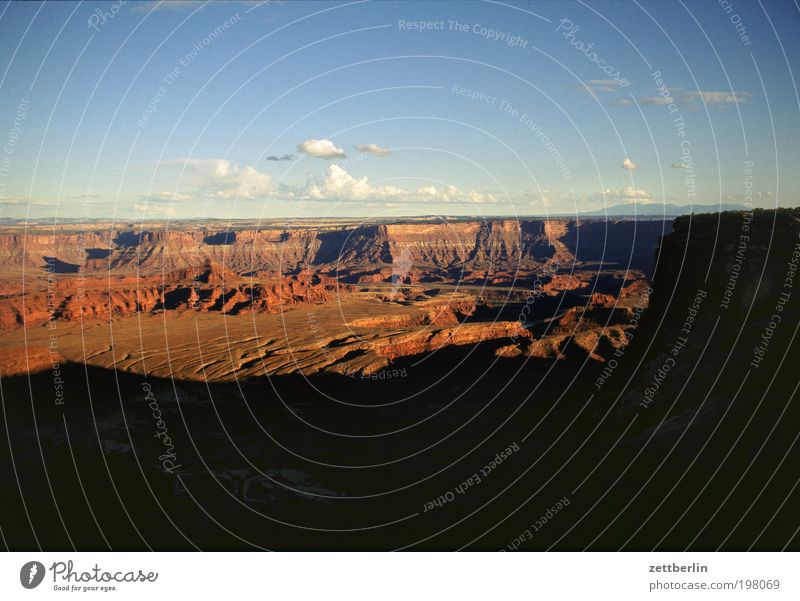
{"points": [[659, 210]]}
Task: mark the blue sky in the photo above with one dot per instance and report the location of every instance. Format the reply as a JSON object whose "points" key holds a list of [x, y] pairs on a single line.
{"points": [[153, 110]]}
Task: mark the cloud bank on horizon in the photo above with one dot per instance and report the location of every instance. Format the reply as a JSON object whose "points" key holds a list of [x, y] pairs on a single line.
{"points": [[221, 180]]}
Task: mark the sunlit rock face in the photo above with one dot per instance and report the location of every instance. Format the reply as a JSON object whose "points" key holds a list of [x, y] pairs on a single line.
{"points": [[318, 297]]}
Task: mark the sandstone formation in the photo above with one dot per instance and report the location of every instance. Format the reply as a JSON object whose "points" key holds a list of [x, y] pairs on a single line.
{"points": [[344, 298], [500, 244]]}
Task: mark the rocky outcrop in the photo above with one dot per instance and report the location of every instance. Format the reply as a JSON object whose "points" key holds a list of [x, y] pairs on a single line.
{"points": [[206, 291], [723, 298], [597, 343], [432, 312], [594, 330], [426, 341]]}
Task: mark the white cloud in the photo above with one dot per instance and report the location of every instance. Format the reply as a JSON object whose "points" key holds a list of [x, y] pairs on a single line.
{"points": [[715, 98], [82, 197], [563, 203], [223, 179], [321, 149], [428, 191], [374, 149], [688, 98], [635, 193], [629, 165], [33, 202], [452, 194], [643, 101], [602, 86], [338, 185], [215, 179], [627, 195], [172, 196], [160, 210], [679, 165]]}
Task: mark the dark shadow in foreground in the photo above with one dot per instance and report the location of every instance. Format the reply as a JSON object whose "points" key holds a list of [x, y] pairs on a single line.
{"points": [[455, 450]]}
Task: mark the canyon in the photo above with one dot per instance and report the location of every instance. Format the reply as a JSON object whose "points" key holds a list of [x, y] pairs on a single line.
{"points": [[306, 297]]}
